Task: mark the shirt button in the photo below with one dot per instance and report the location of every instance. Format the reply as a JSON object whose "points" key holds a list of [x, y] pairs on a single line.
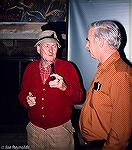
{"points": [[42, 107], [43, 89], [42, 99], [43, 116]]}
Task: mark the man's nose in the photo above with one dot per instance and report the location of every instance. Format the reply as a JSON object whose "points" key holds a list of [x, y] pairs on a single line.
{"points": [[87, 45], [51, 49]]}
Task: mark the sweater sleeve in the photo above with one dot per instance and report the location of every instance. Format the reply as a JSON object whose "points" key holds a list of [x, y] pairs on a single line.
{"points": [[24, 88], [74, 88]]}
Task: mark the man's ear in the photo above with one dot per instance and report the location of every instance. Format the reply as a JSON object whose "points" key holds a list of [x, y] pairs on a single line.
{"points": [[100, 42], [38, 49]]}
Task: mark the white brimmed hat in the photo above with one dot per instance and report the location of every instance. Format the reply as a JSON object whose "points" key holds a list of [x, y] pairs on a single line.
{"points": [[48, 36]]}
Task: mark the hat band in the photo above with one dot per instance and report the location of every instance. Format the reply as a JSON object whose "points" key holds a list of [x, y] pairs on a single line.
{"points": [[47, 37]]}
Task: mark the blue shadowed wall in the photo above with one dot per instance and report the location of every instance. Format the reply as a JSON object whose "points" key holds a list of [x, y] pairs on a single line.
{"points": [[83, 12]]}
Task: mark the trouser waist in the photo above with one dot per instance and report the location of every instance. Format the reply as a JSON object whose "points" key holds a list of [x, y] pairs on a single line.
{"points": [[94, 144]]}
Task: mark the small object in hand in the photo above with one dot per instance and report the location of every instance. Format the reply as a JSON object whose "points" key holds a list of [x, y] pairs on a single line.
{"points": [[53, 71], [52, 78]]}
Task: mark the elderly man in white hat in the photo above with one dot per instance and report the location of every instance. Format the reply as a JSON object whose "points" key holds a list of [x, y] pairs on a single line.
{"points": [[50, 87]]}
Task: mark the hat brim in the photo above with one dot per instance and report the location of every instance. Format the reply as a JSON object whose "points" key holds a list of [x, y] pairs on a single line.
{"points": [[48, 40]]}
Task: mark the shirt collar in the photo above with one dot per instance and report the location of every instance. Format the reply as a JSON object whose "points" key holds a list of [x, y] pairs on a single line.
{"points": [[48, 67], [114, 57]]}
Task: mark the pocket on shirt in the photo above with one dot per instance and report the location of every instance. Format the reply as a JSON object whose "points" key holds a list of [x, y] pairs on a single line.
{"points": [[101, 100]]}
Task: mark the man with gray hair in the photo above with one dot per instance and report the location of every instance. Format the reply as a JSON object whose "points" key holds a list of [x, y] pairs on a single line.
{"points": [[106, 116], [50, 87]]}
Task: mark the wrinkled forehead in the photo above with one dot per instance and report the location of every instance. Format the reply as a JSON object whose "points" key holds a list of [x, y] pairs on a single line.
{"points": [[43, 43]]}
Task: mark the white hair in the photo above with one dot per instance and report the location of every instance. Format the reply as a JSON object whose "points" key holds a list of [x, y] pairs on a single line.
{"points": [[108, 30]]}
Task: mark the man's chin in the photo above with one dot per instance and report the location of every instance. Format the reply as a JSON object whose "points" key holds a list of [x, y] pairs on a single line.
{"points": [[92, 56]]}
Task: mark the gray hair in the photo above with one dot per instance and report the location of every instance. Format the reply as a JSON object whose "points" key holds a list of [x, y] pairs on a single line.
{"points": [[108, 30]]}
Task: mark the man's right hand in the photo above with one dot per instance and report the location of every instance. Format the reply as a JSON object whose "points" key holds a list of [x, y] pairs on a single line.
{"points": [[31, 100]]}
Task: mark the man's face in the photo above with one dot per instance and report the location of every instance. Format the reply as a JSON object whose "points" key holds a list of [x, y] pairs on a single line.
{"points": [[92, 44], [47, 51]]}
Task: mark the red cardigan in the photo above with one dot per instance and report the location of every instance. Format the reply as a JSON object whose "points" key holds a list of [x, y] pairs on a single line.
{"points": [[53, 106]]}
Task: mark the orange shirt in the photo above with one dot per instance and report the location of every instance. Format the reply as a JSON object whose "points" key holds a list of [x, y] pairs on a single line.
{"points": [[106, 113]]}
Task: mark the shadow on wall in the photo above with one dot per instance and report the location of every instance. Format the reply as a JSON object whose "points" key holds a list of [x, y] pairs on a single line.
{"points": [[123, 43]]}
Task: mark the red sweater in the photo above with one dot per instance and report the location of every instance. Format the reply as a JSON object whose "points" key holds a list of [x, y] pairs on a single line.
{"points": [[53, 106]]}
